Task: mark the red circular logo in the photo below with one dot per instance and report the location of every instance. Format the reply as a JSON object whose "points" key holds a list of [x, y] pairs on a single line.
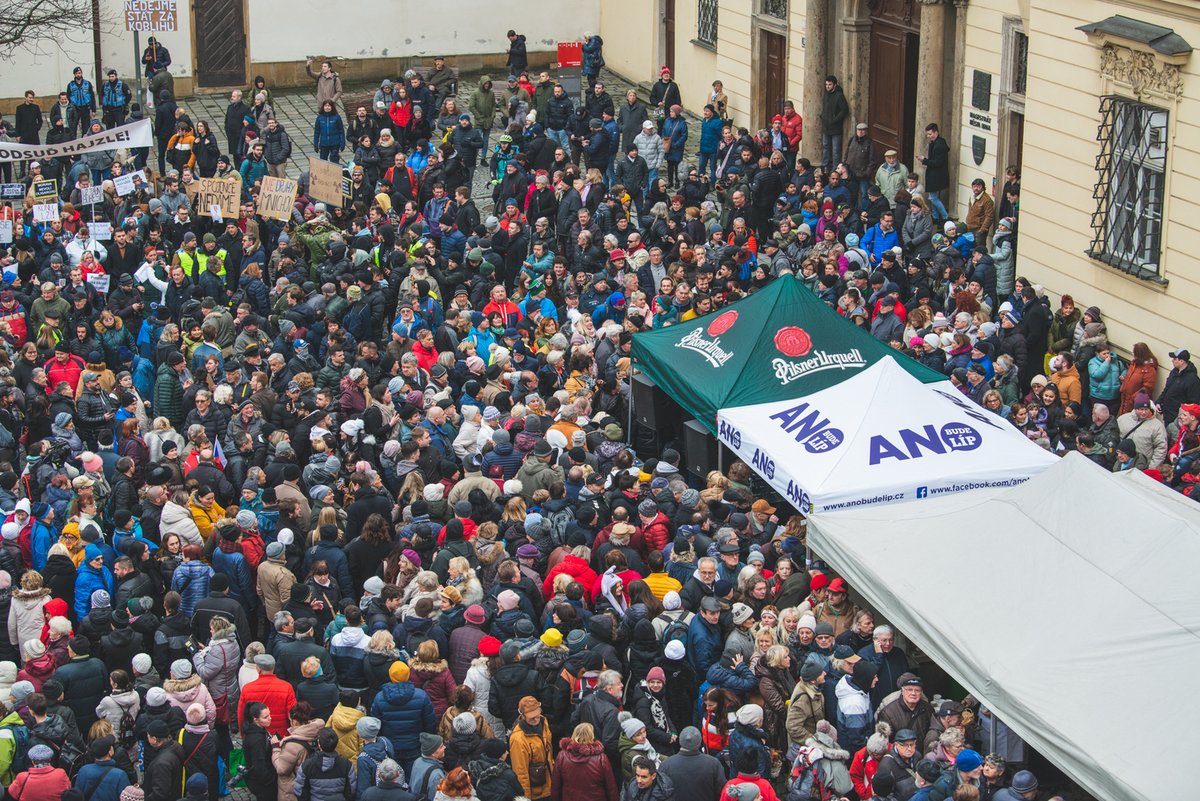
{"points": [[793, 341], [722, 324]]}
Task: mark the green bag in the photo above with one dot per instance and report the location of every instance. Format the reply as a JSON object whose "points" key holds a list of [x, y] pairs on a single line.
{"points": [[237, 758]]}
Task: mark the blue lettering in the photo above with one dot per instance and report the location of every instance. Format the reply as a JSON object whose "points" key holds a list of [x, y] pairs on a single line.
{"points": [[730, 434], [881, 449], [786, 416], [763, 464], [914, 441]]}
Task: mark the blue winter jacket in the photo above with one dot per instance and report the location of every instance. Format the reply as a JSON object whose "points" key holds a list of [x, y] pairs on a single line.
{"points": [[241, 583], [329, 131], [1105, 378], [41, 537], [87, 581], [191, 580], [675, 130], [334, 556], [404, 712], [710, 135], [593, 57], [703, 645]]}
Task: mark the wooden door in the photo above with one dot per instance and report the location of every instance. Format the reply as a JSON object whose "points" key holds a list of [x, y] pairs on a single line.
{"points": [[885, 114], [773, 74], [669, 37], [220, 42]]}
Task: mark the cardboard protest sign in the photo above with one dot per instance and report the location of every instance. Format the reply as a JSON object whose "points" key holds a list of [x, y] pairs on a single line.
{"points": [[325, 181], [276, 198], [225, 193]]}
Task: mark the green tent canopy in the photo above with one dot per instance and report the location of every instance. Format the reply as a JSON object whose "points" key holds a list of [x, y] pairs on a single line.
{"points": [[781, 342]]}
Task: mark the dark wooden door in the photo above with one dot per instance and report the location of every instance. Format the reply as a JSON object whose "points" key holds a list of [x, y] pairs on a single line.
{"points": [[773, 76], [886, 112], [669, 35], [220, 42]]}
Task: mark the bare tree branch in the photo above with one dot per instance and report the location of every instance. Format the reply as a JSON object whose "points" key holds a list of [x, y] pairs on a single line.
{"points": [[35, 25]]}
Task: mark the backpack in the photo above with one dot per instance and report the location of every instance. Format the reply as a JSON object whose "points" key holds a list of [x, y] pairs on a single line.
{"points": [[126, 735], [20, 760], [675, 630], [414, 641], [69, 756], [558, 525]]}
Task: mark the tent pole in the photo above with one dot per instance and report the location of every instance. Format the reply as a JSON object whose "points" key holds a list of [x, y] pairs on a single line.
{"points": [[629, 425]]}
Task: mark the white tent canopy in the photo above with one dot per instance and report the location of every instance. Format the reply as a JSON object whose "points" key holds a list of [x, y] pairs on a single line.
{"points": [[1068, 605], [879, 437]]}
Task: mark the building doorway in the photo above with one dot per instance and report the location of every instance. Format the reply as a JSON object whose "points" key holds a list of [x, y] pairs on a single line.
{"points": [[668, 32], [772, 77], [892, 100], [220, 43]]}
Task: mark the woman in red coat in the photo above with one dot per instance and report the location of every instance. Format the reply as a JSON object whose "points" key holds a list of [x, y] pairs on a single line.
{"points": [[431, 674], [1139, 376], [581, 770]]}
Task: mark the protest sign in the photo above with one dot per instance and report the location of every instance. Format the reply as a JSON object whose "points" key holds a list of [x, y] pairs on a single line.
{"points": [[91, 195], [101, 230], [225, 193], [325, 181], [151, 15], [129, 182], [45, 190], [45, 212], [6, 232], [99, 281], [12, 191], [276, 198]]}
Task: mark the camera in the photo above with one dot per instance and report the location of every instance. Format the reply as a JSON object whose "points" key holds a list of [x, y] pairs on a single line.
{"points": [[236, 777]]}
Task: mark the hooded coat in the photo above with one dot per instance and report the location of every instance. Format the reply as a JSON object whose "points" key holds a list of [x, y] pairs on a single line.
{"points": [[404, 712]]}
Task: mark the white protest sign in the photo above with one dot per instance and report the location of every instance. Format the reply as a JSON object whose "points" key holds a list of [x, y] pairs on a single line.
{"points": [[124, 184], [91, 195], [45, 212], [99, 281], [6, 232], [214, 211], [134, 134], [101, 230]]}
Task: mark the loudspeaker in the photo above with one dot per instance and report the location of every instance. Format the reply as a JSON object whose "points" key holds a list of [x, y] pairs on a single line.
{"points": [[699, 449], [650, 404]]}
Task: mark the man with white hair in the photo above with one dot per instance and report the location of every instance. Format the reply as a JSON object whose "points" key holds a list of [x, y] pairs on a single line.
{"points": [[890, 660]]}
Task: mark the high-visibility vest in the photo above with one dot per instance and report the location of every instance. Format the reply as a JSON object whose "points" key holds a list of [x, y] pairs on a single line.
{"points": [[202, 257]]}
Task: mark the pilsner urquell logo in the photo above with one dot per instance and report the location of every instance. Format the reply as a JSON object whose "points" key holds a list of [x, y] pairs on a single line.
{"points": [[795, 343], [711, 349]]}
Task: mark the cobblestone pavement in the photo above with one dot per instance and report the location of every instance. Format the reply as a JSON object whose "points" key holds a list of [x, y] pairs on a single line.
{"points": [[296, 111]]}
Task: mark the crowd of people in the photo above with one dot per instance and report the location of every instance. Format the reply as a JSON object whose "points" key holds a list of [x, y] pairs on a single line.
{"points": [[344, 506]]}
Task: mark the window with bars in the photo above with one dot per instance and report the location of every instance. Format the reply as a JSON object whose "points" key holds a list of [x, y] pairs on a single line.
{"points": [[775, 8], [1130, 186], [706, 22], [1020, 67]]}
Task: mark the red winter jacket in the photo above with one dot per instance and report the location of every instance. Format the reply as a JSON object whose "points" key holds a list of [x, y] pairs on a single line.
{"points": [[574, 567], [862, 771], [793, 129], [657, 533], [273, 691], [68, 371], [40, 784]]}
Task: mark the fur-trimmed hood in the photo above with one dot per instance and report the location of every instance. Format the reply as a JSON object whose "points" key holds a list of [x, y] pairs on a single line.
{"points": [[580, 751], [182, 685], [428, 667]]}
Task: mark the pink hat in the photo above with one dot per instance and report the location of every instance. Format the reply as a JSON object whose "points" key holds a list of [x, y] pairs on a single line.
{"points": [[92, 463], [665, 70], [656, 673]]}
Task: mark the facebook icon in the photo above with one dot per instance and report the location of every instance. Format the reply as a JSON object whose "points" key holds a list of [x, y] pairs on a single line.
{"points": [[922, 492]]}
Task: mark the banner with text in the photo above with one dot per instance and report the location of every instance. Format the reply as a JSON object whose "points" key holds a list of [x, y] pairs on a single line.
{"points": [[135, 134]]}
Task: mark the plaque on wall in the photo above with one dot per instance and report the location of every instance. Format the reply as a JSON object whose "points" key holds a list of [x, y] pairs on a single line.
{"points": [[981, 90]]}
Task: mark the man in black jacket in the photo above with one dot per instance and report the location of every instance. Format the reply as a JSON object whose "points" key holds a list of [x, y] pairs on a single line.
{"points": [[219, 602], [234, 113], [290, 655], [84, 681], [1183, 385], [600, 709], [163, 776]]}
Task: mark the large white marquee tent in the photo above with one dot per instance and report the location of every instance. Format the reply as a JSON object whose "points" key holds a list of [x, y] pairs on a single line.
{"points": [[1069, 605]]}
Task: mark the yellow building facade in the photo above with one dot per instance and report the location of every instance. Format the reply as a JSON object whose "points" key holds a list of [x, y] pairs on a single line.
{"points": [[1098, 103]]}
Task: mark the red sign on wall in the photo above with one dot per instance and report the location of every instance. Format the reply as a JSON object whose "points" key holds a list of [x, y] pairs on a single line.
{"points": [[570, 54]]}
